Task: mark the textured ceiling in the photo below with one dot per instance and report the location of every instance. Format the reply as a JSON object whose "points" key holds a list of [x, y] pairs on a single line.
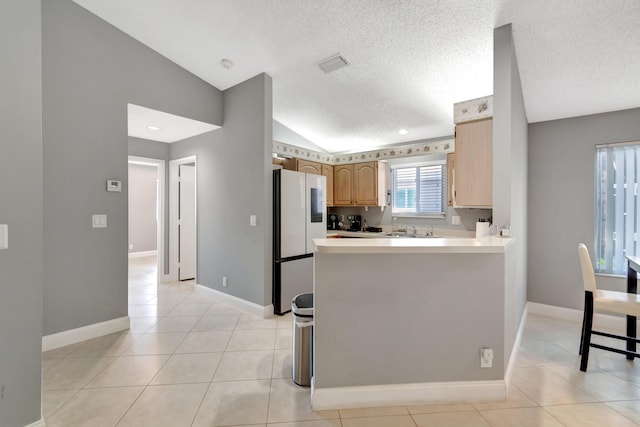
{"points": [[409, 60]]}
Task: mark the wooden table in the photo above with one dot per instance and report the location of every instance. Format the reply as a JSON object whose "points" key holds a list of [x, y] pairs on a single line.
{"points": [[632, 287]]}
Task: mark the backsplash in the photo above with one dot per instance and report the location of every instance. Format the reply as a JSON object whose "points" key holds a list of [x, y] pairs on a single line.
{"points": [[377, 218]]}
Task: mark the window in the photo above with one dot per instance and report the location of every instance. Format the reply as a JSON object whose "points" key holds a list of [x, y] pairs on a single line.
{"points": [[419, 190], [617, 206]]}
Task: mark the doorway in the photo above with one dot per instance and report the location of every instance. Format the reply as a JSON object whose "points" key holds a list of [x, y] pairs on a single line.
{"points": [[183, 218], [151, 209]]}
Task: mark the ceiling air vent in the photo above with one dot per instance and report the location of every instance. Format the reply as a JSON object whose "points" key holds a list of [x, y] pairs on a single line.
{"points": [[332, 63]]}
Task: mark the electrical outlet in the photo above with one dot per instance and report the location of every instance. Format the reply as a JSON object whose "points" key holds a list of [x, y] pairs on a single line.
{"points": [[225, 282], [486, 357], [130, 246], [455, 220]]}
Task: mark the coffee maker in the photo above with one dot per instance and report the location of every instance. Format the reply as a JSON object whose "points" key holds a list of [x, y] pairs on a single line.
{"points": [[355, 222]]}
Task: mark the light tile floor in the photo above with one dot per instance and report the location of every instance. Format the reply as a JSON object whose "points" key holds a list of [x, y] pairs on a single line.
{"points": [[191, 361]]}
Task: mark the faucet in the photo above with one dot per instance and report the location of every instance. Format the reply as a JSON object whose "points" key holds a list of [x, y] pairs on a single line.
{"points": [[430, 232], [413, 230]]}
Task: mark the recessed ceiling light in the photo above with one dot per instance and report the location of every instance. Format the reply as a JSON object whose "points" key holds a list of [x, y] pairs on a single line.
{"points": [[226, 63], [153, 128], [403, 132]]}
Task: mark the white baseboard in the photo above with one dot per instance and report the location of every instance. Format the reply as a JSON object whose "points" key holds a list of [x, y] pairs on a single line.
{"points": [[406, 394], [419, 393], [265, 311], [600, 320], [39, 423], [164, 278], [143, 254], [72, 336]]}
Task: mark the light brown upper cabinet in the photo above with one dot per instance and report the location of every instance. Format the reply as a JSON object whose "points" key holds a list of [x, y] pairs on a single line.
{"points": [[343, 185], [327, 171], [309, 167], [359, 184], [365, 183], [474, 164]]}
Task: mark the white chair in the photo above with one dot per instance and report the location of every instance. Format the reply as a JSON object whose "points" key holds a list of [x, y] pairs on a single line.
{"points": [[609, 301]]}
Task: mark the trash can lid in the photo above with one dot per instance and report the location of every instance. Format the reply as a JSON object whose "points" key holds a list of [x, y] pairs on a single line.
{"points": [[302, 305]]}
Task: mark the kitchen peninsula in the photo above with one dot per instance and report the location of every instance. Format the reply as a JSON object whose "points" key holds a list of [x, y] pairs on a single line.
{"points": [[402, 321]]}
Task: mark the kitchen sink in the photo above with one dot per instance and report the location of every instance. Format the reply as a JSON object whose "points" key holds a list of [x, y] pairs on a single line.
{"points": [[409, 236]]}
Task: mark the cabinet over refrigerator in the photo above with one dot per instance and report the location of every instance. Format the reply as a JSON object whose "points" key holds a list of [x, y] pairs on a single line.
{"points": [[299, 216]]}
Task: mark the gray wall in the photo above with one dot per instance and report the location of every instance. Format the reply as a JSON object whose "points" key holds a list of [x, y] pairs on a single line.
{"points": [[91, 71], [21, 210], [562, 201], [143, 226], [400, 318], [510, 173], [234, 181], [150, 149]]}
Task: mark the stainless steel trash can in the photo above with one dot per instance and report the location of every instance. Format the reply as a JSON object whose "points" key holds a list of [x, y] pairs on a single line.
{"points": [[302, 312]]}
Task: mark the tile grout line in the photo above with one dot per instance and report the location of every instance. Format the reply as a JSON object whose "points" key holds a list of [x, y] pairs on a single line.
{"points": [[618, 412]]}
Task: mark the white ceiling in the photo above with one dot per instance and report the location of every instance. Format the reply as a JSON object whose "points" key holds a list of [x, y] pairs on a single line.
{"points": [[409, 60], [171, 128]]}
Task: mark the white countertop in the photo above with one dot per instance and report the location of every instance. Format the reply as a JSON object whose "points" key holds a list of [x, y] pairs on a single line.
{"points": [[489, 244]]}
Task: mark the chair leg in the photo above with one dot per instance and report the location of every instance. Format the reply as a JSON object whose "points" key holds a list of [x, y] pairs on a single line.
{"points": [[584, 318], [631, 332], [586, 341]]}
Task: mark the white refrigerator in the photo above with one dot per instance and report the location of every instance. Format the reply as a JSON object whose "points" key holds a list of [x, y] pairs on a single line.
{"points": [[299, 216]]}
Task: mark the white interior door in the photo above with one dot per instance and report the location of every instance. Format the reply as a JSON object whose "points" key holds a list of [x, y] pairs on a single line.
{"points": [[187, 222]]}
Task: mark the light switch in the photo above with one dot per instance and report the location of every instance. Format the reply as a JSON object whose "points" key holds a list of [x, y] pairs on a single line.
{"points": [[253, 220], [4, 236], [99, 221]]}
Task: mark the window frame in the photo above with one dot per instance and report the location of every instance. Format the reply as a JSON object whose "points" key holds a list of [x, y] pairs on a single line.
{"points": [[418, 165], [609, 248]]}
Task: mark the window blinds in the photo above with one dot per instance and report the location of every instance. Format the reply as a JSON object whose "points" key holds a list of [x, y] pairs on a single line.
{"points": [[419, 190], [617, 207]]}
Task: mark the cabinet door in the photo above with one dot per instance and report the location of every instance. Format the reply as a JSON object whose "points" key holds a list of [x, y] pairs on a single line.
{"points": [[365, 183], [342, 185], [327, 171], [474, 163], [451, 167], [309, 167]]}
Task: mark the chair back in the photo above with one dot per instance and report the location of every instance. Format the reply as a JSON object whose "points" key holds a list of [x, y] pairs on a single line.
{"points": [[588, 276]]}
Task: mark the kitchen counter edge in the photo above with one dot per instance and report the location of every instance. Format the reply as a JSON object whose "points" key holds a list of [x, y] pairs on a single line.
{"points": [[489, 244]]}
